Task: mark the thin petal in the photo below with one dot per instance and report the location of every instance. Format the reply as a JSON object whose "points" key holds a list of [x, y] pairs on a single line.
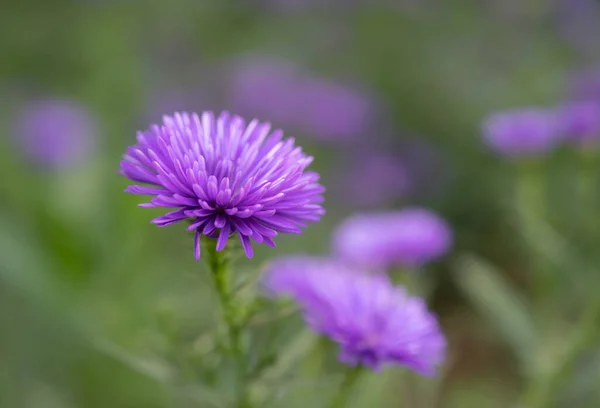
{"points": [[269, 241], [242, 227], [196, 225], [197, 245], [247, 245], [209, 227], [220, 220], [141, 190], [223, 237]]}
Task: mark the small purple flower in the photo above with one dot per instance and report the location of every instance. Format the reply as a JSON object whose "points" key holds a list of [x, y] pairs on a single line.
{"points": [[374, 322], [227, 176], [56, 133], [411, 237], [522, 132], [580, 121]]}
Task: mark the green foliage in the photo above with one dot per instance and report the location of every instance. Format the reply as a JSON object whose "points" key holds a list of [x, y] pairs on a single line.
{"points": [[98, 308]]}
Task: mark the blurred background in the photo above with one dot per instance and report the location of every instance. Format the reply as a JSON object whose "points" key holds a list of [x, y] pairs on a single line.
{"points": [[99, 308]]}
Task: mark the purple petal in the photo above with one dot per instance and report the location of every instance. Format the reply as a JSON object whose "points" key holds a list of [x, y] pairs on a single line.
{"points": [[197, 245], [145, 190], [247, 245], [223, 237]]}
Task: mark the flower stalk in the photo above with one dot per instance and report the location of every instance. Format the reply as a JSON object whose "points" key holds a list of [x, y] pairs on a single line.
{"points": [[542, 390], [341, 398], [233, 316]]}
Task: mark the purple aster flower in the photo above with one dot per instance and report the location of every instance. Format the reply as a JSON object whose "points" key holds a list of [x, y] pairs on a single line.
{"points": [[227, 176], [56, 133], [580, 121], [374, 322], [411, 237], [521, 132]]}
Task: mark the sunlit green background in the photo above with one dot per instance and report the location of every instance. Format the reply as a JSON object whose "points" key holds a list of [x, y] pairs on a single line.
{"points": [[99, 308]]}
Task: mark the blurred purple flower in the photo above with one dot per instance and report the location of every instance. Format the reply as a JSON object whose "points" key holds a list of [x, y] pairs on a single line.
{"points": [[374, 322], [411, 237], [521, 132], [227, 176], [56, 133], [580, 121], [281, 91]]}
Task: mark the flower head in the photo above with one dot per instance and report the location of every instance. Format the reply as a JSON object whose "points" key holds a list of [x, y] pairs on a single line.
{"points": [[580, 121], [410, 237], [374, 322], [227, 176], [522, 132], [56, 133]]}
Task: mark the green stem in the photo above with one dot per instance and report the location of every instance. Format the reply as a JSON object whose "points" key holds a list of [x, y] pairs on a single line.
{"points": [[545, 384], [530, 189], [341, 398], [218, 263], [531, 206]]}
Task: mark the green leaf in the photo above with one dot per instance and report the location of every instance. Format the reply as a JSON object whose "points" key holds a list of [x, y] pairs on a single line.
{"points": [[548, 243], [500, 304], [276, 379], [155, 369], [24, 265]]}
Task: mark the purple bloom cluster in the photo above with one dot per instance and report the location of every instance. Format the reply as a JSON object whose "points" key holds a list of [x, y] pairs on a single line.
{"points": [[56, 133], [227, 176], [581, 120], [532, 131], [374, 322], [519, 132], [288, 95], [411, 237]]}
